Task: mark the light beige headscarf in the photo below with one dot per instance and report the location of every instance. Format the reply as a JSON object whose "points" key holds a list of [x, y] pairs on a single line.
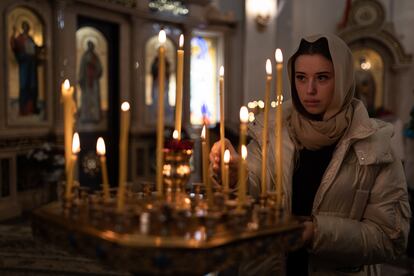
{"points": [[313, 134]]}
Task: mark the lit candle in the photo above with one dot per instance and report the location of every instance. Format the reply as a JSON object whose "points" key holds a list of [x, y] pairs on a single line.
{"points": [[101, 150], [242, 177], [206, 180], [244, 118], [226, 170], [278, 126], [179, 88], [175, 134], [160, 116], [69, 109], [71, 168], [123, 154], [222, 136], [266, 124]]}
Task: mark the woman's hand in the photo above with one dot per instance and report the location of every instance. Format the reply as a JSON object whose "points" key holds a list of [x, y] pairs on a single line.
{"points": [[307, 234], [215, 157]]}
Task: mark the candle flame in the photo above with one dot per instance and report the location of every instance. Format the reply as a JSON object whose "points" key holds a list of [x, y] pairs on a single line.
{"points": [[244, 114], [221, 71], [75, 143], [251, 117], [244, 152], [278, 55], [162, 37], [181, 41], [125, 106], [261, 104], [226, 157], [175, 134], [100, 146], [252, 104], [66, 84], [268, 67], [203, 133]]}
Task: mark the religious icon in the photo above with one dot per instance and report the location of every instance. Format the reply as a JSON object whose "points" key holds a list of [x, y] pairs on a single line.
{"points": [[26, 65], [92, 85], [151, 80], [89, 75], [27, 55], [169, 110]]}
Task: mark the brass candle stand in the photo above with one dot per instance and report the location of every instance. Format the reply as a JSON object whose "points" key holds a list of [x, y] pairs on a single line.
{"points": [[173, 234], [176, 172]]}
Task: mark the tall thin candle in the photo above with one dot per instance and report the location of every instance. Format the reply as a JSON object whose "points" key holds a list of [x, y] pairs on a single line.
{"points": [[101, 150], [72, 163], [244, 118], [222, 133], [69, 108], [226, 171], [242, 177], [123, 154], [179, 88], [206, 181], [278, 126], [266, 125], [160, 116]]}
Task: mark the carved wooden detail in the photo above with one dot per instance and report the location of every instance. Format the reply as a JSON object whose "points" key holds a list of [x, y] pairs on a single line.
{"points": [[367, 26]]}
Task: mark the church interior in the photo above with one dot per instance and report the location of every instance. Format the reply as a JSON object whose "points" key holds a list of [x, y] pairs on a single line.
{"points": [[105, 53]]}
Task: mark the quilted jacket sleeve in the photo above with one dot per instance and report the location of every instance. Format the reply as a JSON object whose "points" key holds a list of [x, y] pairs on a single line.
{"points": [[381, 234], [254, 159]]}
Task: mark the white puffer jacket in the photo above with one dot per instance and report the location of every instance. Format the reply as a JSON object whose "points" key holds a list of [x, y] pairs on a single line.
{"points": [[361, 208]]}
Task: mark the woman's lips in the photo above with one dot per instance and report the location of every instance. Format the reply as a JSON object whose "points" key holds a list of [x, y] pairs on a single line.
{"points": [[311, 102]]}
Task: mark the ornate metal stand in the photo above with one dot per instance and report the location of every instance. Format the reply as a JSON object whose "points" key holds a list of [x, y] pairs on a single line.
{"points": [[174, 232], [194, 253]]}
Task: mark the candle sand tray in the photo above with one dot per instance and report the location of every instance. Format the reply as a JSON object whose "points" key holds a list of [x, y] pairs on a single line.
{"points": [[182, 244]]}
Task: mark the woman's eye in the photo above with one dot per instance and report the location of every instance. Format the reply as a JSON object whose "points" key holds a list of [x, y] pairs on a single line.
{"points": [[322, 77], [300, 77]]}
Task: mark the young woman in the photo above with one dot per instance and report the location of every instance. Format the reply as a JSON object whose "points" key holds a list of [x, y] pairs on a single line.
{"points": [[338, 169]]}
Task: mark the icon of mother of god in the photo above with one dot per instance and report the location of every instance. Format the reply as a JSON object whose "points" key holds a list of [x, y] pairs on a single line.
{"points": [[90, 73]]}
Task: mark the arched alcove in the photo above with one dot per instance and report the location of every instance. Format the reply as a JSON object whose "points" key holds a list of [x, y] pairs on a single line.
{"points": [[368, 35]]}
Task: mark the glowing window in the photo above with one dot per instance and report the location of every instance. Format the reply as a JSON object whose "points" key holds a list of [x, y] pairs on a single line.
{"points": [[206, 58]]}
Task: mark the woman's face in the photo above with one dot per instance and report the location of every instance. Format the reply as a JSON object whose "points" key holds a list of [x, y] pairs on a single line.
{"points": [[315, 82]]}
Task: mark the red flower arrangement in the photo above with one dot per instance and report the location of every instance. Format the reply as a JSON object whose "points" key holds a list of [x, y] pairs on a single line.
{"points": [[175, 144]]}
